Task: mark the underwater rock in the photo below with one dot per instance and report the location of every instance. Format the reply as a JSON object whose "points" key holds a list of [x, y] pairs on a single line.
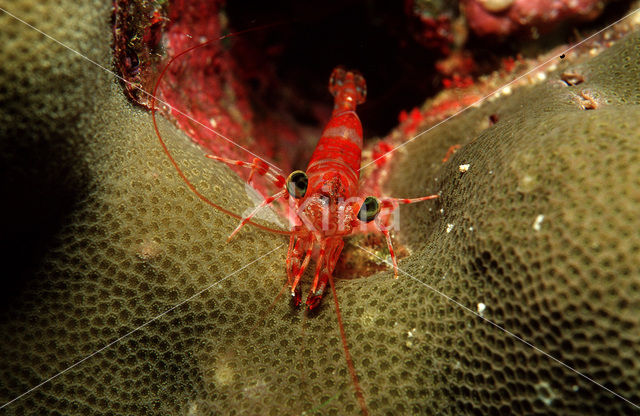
{"points": [[541, 229]]}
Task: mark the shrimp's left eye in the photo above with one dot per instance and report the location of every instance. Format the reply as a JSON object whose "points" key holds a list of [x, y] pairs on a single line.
{"points": [[297, 184], [369, 210]]}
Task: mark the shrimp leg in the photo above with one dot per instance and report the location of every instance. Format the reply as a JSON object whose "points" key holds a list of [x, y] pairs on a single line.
{"points": [[384, 219], [326, 263], [296, 263], [258, 166], [264, 203]]}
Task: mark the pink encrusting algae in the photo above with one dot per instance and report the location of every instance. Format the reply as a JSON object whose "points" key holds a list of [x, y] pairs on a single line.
{"points": [[507, 17], [203, 90]]}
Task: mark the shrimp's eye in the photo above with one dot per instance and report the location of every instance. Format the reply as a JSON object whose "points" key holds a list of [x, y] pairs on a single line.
{"points": [[297, 184], [369, 209]]}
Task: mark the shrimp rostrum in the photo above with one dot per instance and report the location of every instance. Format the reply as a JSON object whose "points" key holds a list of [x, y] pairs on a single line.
{"points": [[324, 201]]}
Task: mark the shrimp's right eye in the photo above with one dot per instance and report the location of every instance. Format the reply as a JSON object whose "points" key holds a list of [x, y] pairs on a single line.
{"points": [[297, 184], [369, 209]]}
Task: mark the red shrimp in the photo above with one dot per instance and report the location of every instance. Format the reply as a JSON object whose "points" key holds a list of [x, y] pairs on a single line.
{"points": [[324, 202]]}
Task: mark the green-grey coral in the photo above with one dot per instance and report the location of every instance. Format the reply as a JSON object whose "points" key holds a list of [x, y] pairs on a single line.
{"points": [[541, 229]]}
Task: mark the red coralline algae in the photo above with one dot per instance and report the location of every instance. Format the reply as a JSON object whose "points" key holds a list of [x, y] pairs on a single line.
{"points": [[503, 18], [410, 122], [431, 23], [457, 70], [380, 151], [202, 85], [205, 90], [448, 107], [457, 81], [459, 62], [508, 63]]}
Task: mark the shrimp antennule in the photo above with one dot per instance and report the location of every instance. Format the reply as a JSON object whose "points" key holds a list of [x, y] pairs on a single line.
{"points": [[170, 156]]}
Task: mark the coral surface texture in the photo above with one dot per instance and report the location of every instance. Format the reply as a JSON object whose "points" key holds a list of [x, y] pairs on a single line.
{"points": [[129, 275]]}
